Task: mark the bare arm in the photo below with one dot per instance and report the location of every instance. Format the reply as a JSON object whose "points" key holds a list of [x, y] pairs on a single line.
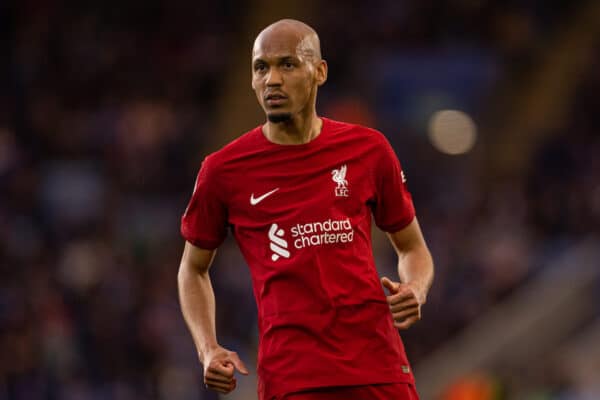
{"points": [[415, 269], [197, 297], [197, 300]]}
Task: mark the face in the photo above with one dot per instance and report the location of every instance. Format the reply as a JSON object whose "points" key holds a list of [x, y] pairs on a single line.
{"points": [[285, 75]]}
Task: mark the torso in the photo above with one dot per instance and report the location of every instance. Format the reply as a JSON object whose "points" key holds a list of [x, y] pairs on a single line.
{"points": [[301, 215]]}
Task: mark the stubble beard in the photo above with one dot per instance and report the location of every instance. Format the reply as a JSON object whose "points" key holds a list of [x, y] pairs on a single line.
{"points": [[279, 118]]}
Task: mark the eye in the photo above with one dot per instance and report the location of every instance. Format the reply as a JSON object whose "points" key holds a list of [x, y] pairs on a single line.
{"points": [[288, 65], [260, 67]]}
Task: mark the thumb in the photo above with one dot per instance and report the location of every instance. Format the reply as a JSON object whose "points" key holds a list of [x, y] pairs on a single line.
{"points": [[238, 364], [389, 285]]}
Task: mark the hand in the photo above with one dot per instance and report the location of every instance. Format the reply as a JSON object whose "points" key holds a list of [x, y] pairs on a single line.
{"points": [[219, 367], [404, 303]]}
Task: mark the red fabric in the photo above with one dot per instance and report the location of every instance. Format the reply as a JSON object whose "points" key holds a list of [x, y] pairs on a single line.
{"points": [[397, 391], [323, 318]]}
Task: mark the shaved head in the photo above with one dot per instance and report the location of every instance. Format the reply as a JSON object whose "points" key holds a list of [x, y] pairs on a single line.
{"points": [[290, 32], [287, 70]]}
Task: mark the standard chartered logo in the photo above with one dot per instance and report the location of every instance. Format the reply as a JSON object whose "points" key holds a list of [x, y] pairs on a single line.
{"points": [[310, 234], [278, 245], [320, 233]]}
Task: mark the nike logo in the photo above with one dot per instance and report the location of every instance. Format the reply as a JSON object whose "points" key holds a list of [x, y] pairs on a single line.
{"points": [[255, 200]]}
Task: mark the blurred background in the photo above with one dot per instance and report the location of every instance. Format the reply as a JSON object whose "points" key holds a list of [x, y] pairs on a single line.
{"points": [[107, 109]]}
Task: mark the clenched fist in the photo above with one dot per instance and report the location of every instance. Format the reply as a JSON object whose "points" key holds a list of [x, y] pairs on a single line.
{"points": [[220, 365], [404, 303]]}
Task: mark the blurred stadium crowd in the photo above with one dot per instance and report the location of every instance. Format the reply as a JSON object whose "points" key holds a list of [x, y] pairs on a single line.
{"points": [[106, 113]]}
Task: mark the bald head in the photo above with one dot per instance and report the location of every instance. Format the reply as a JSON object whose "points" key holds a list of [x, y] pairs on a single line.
{"points": [[289, 33], [287, 70]]}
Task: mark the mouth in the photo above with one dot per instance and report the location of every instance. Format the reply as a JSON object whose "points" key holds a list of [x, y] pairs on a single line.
{"points": [[275, 99]]}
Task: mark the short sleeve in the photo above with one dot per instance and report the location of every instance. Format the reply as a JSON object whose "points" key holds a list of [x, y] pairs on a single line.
{"points": [[393, 209], [204, 223]]}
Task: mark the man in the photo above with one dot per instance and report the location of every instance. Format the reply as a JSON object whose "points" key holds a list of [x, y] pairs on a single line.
{"points": [[298, 193]]}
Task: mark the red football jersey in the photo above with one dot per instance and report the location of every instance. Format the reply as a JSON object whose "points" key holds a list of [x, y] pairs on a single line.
{"points": [[301, 215]]}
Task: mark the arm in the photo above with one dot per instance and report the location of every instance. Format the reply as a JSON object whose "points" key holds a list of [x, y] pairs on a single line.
{"points": [[197, 300], [415, 269]]}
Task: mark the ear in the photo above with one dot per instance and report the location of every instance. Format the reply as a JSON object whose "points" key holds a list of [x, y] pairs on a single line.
{"points": [[321, 72]]}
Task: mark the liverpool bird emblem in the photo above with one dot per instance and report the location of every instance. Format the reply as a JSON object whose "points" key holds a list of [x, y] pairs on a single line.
{"points": [[339, 177]]}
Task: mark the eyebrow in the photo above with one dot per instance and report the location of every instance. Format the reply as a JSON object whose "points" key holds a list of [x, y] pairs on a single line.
{"points": [[277, 59], [288, 58]]}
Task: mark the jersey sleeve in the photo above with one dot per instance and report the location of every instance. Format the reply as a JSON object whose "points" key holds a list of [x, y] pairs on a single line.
{"points": [[393, 209], [204, 222]]}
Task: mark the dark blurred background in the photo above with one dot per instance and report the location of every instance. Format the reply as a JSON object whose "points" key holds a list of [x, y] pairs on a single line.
{"points": [[107, 109]]}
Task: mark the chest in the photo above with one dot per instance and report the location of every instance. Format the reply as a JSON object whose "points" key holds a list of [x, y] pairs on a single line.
{"points": [[299, 188]]}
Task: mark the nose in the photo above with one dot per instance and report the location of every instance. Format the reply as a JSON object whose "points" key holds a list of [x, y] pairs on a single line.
{"points": [[274, 77]]}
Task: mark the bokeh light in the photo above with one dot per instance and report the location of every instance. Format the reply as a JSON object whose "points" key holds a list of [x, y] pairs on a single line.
{"points": [[452, 132]]}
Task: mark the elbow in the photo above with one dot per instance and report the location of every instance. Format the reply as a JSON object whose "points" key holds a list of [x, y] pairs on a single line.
{"points": [[189, 271]]}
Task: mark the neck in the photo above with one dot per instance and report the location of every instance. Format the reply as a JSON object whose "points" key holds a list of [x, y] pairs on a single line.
{"points": [[298, 130]]}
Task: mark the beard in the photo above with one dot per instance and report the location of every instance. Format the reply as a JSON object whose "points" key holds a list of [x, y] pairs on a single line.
{"points": [[278, 118]]}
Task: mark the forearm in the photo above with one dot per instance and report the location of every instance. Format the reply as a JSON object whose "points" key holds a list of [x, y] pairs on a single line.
{"points": [[415, 267], [197, 301]]}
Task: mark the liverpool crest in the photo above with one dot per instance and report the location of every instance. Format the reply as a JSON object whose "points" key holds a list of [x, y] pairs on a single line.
{"points": [[339, 177]]}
